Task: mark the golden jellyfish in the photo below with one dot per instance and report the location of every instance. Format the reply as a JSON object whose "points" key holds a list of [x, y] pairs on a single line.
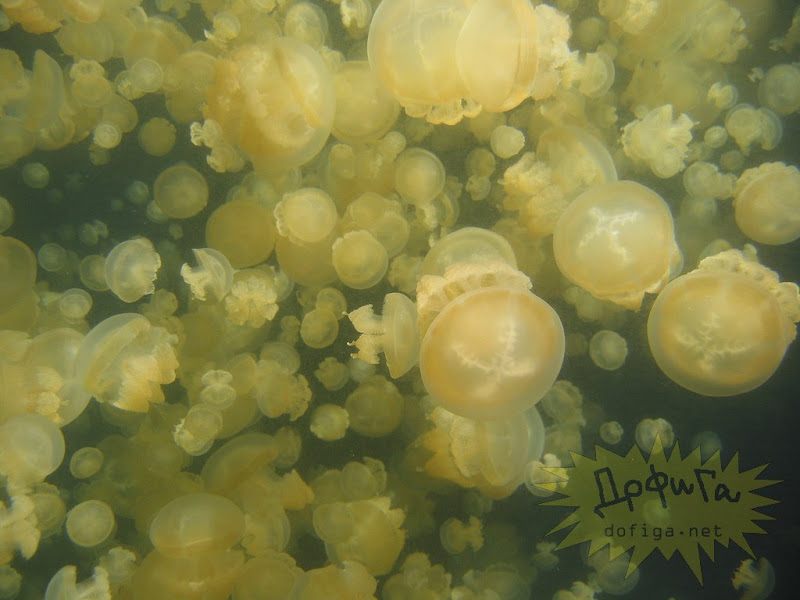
{"points": [[275, 103], [306, 216], [124, 360], [31, 447], [443, 60], [180, 191], [90, 523], [360, 261], [467, 245], [243, 231], [196, 524], [365, 111], [617, 242], [766, 203], [157, 136], [492, 353], [130, 269], [723, 329]]}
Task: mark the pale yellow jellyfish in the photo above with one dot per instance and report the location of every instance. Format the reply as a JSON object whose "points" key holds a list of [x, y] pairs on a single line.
{"points": [[418, 176], [617, 242], [196, 524], [360, 261], [442, 60], [180, 191], [157, 136], [31, 447], [608, 350], [90, 523], [131, 268], [306, 216], [274, 102], [723, 329], [766, 204], [492, 352], [365, 111], [243, 231]]}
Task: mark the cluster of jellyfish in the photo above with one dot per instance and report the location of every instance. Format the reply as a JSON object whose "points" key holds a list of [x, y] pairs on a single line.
{"points": [[312, 354]]}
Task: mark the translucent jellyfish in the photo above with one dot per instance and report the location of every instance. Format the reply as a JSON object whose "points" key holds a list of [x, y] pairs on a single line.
{"points": [[329, 422], [456, 535], [365, 111], [756, 580], [196, 524], [648, 429], [723, 329], [611, 432], [492, 353], [180, 191], [85, 462], [608, 350], [64, 584], [157, 136], [780, 89], [766, 204], [32, 448], [130, 269], [124, 360], [306, 216], [243, 231], [472, 53], [467, 245], [90, 523], [267, 577], [364, 531], [394, 334], [360, 261], [383, 218], [375, 407], [319, 328], [617, 242], [35, 175], [576, 158], [418, 176], [274, 102], [212, 277], [659, 141]]}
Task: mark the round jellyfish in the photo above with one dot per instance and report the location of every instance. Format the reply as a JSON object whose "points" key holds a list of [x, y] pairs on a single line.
{"points": [[617, 241], [723, 329], [766, 203], [492, 353], [131, 268]]}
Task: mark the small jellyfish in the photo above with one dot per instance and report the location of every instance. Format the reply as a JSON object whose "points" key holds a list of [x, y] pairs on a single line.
{"points": [[90, 523], [756, 580], [648, 429], [243, 231], [196, 524], [180, 191], [360, 261], [130, 269], [608, 350], [766, 203]]}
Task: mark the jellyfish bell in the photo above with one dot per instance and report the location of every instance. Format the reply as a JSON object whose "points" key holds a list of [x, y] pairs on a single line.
{"points": [[617, 241], [721, 332], [502, 363]]}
